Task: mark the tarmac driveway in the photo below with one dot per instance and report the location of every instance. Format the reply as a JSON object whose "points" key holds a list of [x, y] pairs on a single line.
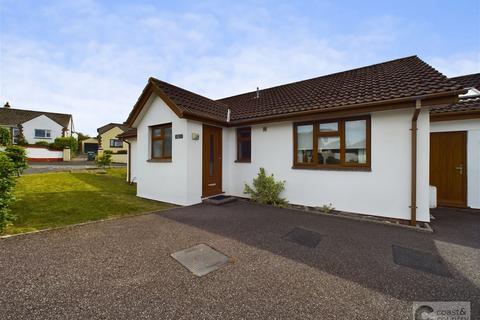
{"points": [[122, 269]]}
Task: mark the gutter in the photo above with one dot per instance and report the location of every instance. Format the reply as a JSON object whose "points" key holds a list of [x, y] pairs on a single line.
{"points": [[414, 129], [129, 163]]}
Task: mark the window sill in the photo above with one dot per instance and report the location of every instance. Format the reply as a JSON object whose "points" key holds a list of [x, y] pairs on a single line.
{"points": [[243, 161], [44, 138], [332, 168], [159, 160]]}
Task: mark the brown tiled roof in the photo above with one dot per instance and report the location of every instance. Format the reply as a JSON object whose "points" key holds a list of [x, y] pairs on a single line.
{"points": [[10, 116], [401, 78], [130, 133], [109, 126], [464, 105], [193, 103], [387, 82], [468, 81]]}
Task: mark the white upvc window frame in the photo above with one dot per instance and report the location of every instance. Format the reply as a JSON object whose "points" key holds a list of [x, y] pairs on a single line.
{"points": [[15, 134], [47, 134]]}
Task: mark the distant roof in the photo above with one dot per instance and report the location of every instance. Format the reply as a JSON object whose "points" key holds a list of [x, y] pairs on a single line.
{"points": [[468, 81], [10, 116], [466, 104], [404, 78], [130, 133], [109, 126], [463, 105]]}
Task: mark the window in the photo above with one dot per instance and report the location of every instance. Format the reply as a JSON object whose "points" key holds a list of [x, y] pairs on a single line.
{"points": [[161, 139], [343, 143], [15, 134], [305, 143], [42, 134], [116, 143], [244, 144]]}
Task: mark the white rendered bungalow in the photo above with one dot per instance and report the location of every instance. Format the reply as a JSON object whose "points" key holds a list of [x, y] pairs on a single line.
{"points": [[358, 139]]}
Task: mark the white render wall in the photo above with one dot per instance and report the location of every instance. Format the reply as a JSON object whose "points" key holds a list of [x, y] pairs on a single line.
{"points": [[473, 154], [385, 191], [178, 181], [133, 165], [41, 122], [43, 153]]}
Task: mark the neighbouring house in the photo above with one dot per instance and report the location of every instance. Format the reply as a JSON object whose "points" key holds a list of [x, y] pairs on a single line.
{"points": [[455, 147], [358, 139], [90, 145], [108, 140], [30, 127]]}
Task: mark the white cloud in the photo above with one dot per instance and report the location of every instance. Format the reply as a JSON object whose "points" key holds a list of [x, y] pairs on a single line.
{"points": [[457, 64], [100, 59]]}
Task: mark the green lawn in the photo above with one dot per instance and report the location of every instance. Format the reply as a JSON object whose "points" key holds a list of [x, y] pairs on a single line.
{"points": [[57, 199]]}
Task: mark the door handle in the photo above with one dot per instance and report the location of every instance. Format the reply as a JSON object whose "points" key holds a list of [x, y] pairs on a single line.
{"points": [[460, 168]]}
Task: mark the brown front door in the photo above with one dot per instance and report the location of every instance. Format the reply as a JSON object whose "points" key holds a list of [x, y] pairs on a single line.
{"points": [[212, 161], [448, 167]]}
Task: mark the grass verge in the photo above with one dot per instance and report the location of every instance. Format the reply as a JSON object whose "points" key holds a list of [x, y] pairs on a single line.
{"points": [[51, 200]]}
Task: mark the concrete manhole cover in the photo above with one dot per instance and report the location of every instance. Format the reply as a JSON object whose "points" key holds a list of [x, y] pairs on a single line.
{"points": [[303, 237], [420, 260], [200, 259]]}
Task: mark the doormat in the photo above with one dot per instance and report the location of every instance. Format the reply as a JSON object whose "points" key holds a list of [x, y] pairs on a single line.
{"points": [[420, 260], [303, 237], [219, 200], [200, 259]]}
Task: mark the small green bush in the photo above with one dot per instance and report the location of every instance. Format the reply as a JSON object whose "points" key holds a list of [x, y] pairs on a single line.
{"points": [[42, 144], [105, 160], [7, 184], [266, 190], [326, 208], [64, 142], [53, 146], [5, 138], [18, 155]]}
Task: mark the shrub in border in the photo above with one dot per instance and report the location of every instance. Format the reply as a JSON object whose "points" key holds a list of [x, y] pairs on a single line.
{"points": [[7, 184], [266, 190], [18, 155], [105, 160]]}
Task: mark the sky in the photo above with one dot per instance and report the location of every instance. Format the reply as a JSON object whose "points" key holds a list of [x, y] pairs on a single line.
{"points": [[93, 58]]}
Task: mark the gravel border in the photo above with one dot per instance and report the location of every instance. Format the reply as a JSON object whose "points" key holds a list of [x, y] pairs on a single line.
{"points": [[352, 216]]}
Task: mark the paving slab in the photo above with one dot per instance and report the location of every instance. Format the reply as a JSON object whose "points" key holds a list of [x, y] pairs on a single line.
{"points": [[201, 259]]}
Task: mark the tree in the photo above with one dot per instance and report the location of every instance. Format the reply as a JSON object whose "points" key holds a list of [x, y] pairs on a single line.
{"points": [[5, 138], [63, 142], [105, 159], [7, 184], [82, 137], [18, 155]]}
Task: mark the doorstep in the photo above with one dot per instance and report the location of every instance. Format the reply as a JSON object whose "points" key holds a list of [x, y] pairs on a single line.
{"points": [[219, 200]]}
